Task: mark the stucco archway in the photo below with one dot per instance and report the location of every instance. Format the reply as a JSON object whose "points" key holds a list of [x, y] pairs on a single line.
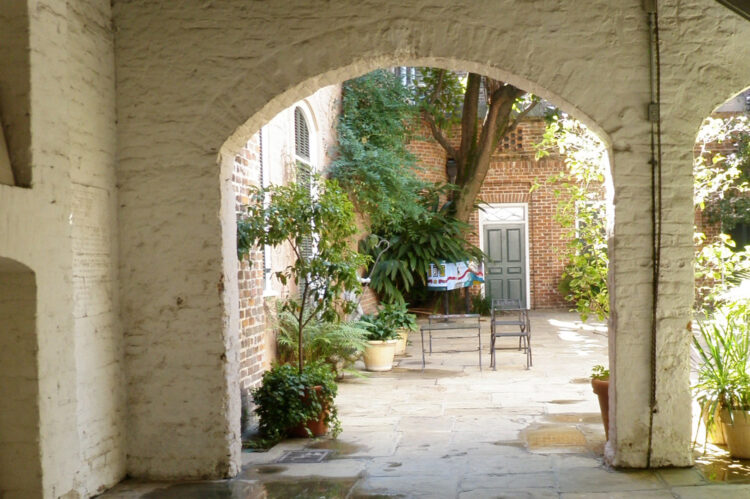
{"points": [[591, 59]]}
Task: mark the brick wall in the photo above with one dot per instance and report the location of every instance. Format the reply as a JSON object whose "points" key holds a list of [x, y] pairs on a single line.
{"points": [[513, 171]]}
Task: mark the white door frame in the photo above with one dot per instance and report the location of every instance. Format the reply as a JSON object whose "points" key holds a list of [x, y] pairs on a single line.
{"points": [[491, 214]]}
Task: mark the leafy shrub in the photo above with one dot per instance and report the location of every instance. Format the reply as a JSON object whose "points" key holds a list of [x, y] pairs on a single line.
{"points": [[481, 305], [398, 316], [287, 399], [379, 328], [430, 236], [581, 214], [287, 214], [373, 163], [338, 344]]}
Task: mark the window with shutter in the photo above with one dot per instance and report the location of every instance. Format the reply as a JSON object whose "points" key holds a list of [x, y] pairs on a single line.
{"points": [[304, 166]]}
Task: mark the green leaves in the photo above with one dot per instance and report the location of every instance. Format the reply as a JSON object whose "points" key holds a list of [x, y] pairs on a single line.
{"points": [[291, 216], [724, 351], [581, 212], [286, 399], [417, 241], [373, 163], [338, 344]]}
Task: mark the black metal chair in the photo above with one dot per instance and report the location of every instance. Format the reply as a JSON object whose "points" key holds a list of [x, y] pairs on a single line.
{"points": [[509, 319]]}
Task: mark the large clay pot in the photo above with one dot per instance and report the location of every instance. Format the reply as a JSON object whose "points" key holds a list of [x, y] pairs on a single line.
{"points": [[737, 432], [317, 427], [601, 389], [403, 336], [379, 355]]}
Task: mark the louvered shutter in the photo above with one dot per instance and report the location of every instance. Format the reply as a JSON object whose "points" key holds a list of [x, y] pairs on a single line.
{"points": [[301, 135], [304, 169]]}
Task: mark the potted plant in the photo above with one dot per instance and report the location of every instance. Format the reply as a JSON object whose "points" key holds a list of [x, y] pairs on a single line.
{"points": [[323, 277], [723, 386], [290, 403], [381, 343], [398, 317], [600, 384]]}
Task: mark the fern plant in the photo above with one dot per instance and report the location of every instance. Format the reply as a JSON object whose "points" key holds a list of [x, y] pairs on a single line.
{"points": [[338, 344]]}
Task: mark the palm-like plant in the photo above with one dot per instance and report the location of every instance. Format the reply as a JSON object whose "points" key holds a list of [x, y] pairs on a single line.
{"points": [[724, 349]]}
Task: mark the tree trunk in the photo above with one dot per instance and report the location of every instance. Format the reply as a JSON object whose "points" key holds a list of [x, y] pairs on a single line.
{"points": [[476, 146]]}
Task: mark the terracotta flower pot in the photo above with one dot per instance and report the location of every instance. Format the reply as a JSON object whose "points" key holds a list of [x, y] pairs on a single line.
{"points": [[737, 432], [601, 389], [317, 427], [379, 355], [403, 335]]}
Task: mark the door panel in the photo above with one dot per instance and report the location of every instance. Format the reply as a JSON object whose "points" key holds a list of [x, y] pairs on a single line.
{"points": [[505, 268], [514, 245]]}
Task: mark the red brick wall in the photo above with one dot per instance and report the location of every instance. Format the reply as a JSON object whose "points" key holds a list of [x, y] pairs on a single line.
{"points": [[513, 171], [253, 344]]}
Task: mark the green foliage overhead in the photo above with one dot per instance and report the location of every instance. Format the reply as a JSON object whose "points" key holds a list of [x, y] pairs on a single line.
{"points": [[286, 399], [440, 93], [430, 236], [581, 213], [373, 163]]}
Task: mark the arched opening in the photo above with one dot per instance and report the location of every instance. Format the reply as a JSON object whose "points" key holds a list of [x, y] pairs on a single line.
{"points": [[20, 458], [719, 366], [580, 343]]}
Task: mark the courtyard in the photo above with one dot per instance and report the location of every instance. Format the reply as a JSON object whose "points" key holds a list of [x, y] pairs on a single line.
{"points": [[454, 431]]}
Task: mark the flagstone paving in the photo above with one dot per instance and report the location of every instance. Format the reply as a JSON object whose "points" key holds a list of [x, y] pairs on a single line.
{"points": [[453, 431]]}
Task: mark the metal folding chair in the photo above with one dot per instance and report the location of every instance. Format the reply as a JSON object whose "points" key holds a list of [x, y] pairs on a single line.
{"points": [[509, 319]]}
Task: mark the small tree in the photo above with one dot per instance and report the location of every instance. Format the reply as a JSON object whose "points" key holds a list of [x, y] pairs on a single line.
{"points": [[321, 276]]}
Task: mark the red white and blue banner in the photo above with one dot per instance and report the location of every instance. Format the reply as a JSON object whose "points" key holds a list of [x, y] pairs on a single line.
{"points": [[448, 276]]}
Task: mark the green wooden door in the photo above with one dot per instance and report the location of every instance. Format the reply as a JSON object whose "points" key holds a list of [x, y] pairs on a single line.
{"points": [[505, 267]]}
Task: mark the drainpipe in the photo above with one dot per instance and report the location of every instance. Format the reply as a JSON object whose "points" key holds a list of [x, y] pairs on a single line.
{"points": [[654, 115]]}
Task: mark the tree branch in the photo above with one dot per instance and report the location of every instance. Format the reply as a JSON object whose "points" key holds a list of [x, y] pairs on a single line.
{"points": [[520, 117], [439, 87], [439, 136]]}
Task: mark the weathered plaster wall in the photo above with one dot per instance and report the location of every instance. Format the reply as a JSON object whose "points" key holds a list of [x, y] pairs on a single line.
{"points": [[98, 338], [177, 107], [63, 228], [19, 404]]}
